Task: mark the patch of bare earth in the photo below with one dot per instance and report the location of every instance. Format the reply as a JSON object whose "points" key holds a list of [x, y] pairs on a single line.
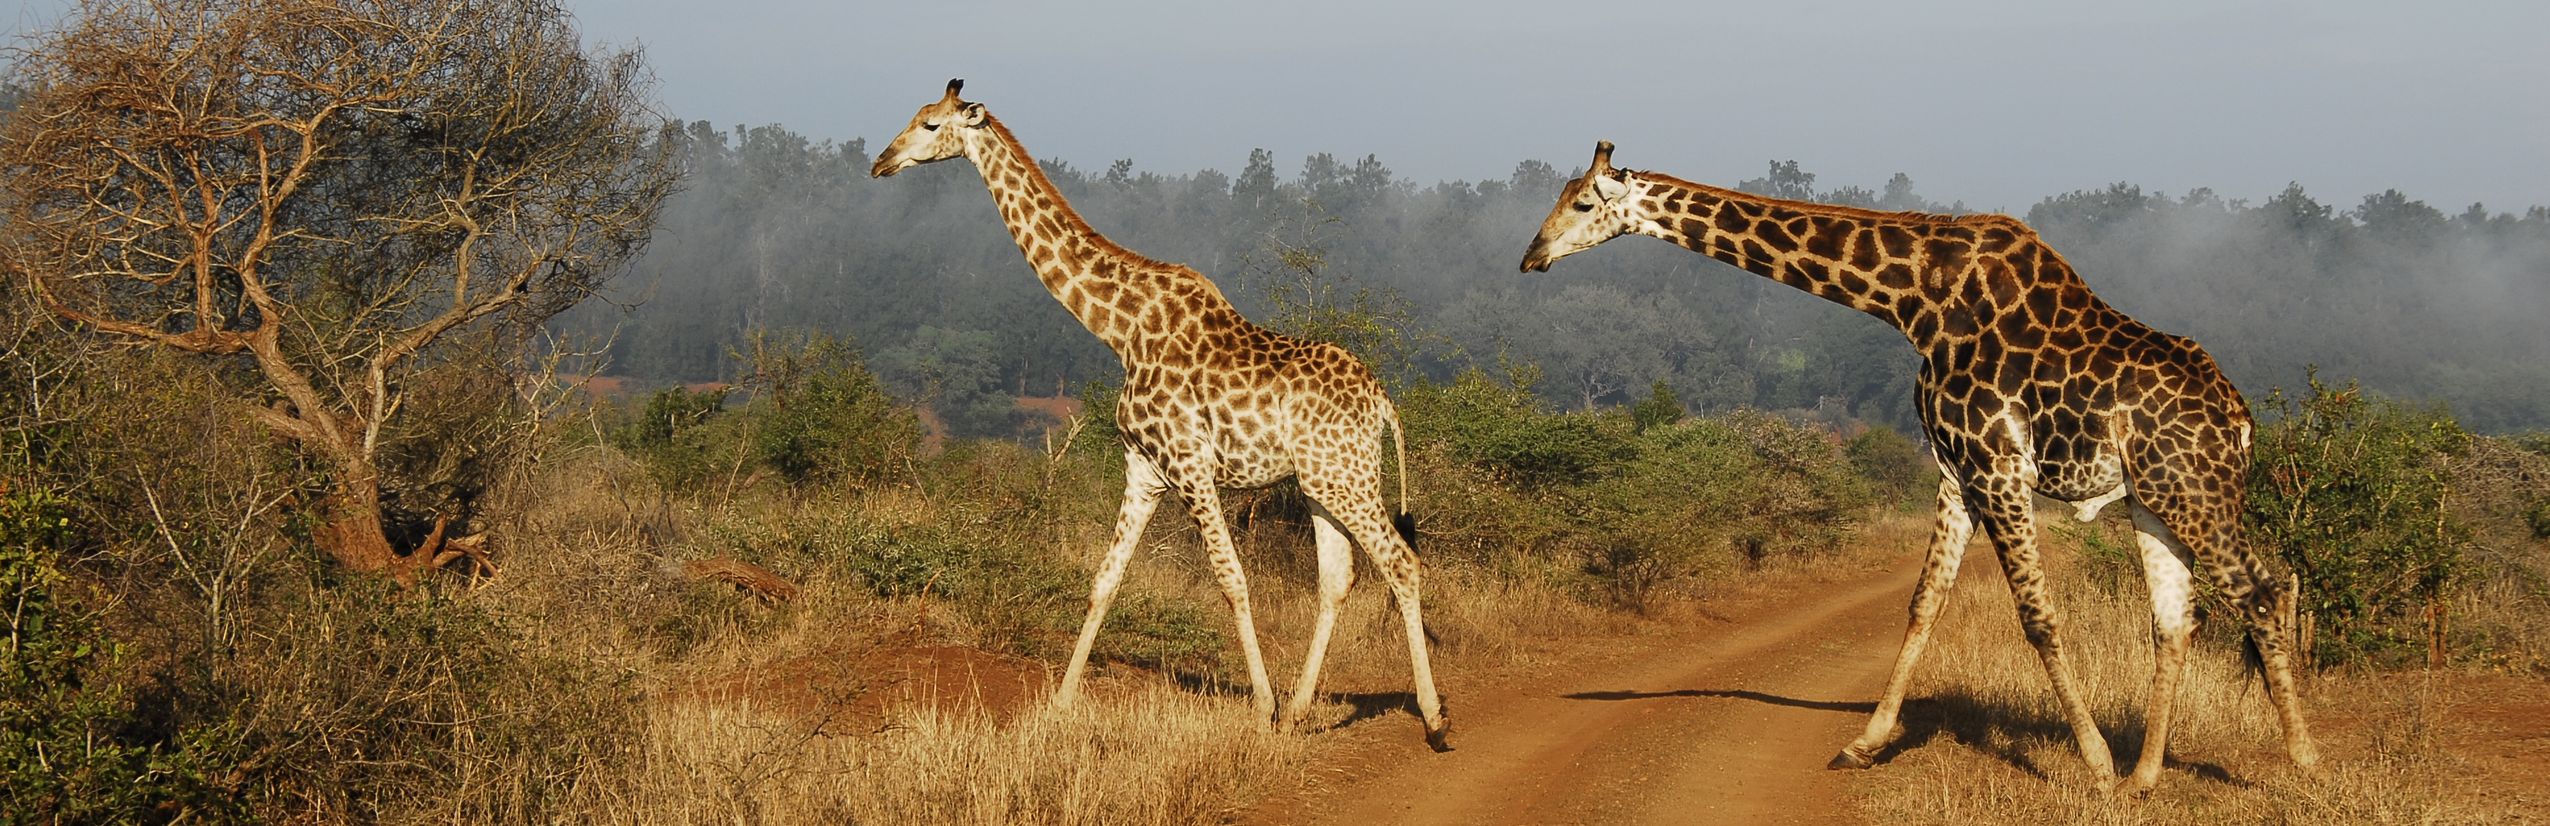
{"points": [[1718, 711], [1723, 712]]}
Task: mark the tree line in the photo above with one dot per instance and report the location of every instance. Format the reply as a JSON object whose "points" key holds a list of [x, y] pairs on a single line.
{"points": [[778, 230]]}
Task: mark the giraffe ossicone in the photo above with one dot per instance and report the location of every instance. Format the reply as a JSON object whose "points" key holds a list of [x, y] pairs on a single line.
{"points": [[2029, 385], [1210, 400]]}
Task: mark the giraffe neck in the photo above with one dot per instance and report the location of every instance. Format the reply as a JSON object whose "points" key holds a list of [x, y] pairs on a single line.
{"points": [[1119, 295], [1891, 265]]}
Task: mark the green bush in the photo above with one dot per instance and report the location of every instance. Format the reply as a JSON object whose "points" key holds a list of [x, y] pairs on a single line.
{"points": [[1661, 407], [73, 746], [1630, 509], [1893, 463], [673, 438], [1498, 425], [2351, 491], [818, 415], [815, 415], [1715, 492]]}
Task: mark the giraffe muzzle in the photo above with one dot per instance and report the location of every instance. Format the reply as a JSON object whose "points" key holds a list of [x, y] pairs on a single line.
{"points": [[1536, 258]]}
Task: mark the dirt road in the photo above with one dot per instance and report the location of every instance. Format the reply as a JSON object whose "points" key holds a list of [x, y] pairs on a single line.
{"points": [[1729, 719]]}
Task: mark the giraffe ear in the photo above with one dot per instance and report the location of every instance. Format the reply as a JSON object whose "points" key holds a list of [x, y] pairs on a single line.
{"points": [[1610, 188], [973, 115]]}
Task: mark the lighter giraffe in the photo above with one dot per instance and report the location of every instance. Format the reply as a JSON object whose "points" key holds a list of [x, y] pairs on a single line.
{"points": [[1210, 400], [2029, 383]]}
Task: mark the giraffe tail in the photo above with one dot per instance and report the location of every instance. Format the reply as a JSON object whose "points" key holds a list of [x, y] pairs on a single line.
{"points": [[1404, 522]]}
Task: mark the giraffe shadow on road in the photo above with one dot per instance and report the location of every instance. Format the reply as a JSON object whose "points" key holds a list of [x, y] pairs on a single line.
{"points": [[1369, 705], [1999, 729], [1361, 705], [2009, 733], [1738, 694]]}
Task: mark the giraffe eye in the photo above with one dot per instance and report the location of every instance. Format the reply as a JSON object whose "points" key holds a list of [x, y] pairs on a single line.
{"points": [[1584, 207], [930, 126]]}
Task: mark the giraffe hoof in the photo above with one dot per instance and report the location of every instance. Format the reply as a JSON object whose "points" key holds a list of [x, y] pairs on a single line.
{"points": [[1440, 739], [1848, 759]]}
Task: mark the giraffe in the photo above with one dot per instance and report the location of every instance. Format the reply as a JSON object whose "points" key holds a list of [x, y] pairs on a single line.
{"points": [[2029, 384], [1210, 400]]}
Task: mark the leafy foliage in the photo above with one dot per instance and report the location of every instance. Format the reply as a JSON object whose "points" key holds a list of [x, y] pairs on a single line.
{"points": [[815, 415], [1631, 511], [1661, 407], [1499, 426], [2351, 490], [1892, 462], [1740, 488], [820, 416], [73, 746], [670, 435]]}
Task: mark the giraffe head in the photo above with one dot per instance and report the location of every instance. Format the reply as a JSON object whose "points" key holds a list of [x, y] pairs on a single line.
{"points": [[936, 133], [1590, 210]]}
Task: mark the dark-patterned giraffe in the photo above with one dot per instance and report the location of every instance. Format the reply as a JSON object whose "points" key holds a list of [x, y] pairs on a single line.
{"points": [[1209, 400], [2029, 384]]}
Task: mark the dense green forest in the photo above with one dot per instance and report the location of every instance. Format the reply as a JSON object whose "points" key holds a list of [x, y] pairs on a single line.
{"points": [[776, 230]]}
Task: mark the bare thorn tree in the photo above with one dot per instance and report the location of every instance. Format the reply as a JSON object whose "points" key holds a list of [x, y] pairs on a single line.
{"points": [[323, 191]]}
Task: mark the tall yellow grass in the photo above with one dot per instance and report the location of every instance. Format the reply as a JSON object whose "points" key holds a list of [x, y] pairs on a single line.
{"points": [[1153, 755]]}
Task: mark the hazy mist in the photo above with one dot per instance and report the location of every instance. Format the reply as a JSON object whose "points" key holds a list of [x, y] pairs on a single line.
{"points": [[780, 231]]}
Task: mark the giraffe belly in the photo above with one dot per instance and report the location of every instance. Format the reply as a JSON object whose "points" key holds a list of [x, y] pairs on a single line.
{"points": [[2088, 486]]}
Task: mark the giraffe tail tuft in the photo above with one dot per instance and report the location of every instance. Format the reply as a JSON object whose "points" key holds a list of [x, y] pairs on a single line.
{"points": [[1406, 523], [2253, 662]]}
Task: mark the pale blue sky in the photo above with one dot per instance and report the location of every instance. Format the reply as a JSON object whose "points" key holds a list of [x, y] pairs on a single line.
{"points": [[1994, 102]]}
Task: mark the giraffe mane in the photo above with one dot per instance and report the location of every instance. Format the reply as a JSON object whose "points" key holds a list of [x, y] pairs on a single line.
{"points": [[1076, 224], [1912, 217]]}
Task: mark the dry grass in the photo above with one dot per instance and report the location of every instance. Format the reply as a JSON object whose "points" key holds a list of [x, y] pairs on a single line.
{"points": [[757, 713], [1983, 742], [1154, 755]]}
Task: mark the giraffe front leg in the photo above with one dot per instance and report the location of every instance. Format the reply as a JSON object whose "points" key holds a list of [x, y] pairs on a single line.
{"points": [[1205, 504], [2173, 619], [1948, 535], [2006, 514], [1336, 575], [1142, 491]]}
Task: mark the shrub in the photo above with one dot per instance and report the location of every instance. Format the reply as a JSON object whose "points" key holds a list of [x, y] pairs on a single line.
{"points": [[1733, 489], [672, 438], [73, 747], [1500, 426], [818, 415], [1661, 407], [1892, 463], [2351, 491]]}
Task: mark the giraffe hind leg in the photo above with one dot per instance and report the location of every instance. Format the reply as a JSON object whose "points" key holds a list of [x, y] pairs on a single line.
{"points": [[2265, 602], [1336, 576], [1360, 513], [2173, 619]]}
